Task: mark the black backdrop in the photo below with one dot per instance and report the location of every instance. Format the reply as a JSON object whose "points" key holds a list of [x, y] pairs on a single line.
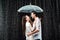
{"points": [[10, 20]]}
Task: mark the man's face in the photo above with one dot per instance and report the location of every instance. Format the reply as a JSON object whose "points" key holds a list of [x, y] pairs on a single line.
{"points": [[32, 15]]}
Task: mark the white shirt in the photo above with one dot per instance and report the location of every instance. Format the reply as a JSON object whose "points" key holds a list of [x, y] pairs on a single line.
{"points": [[37, 25]]}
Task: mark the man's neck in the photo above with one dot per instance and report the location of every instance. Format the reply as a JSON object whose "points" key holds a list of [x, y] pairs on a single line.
{"points": [[35, 17]]}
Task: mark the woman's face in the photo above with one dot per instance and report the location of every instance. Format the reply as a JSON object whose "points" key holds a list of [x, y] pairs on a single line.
{"points": [[27, 18]]}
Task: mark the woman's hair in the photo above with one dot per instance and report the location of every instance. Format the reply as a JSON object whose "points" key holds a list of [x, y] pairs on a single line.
{"points": [[31, 23], [24, 24]]}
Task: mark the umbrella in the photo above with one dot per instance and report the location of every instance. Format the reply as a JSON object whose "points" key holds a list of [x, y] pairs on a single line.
{"points": [[30, 8]]}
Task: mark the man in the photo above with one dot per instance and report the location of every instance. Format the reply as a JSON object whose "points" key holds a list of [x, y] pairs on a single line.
{"points": [[36, 27]]}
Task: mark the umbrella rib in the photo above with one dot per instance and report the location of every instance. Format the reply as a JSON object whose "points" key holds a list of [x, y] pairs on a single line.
{"points": [[32, 7]]}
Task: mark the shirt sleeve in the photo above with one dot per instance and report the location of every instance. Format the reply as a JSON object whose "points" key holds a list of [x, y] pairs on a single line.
{"points": [[38, 24]]}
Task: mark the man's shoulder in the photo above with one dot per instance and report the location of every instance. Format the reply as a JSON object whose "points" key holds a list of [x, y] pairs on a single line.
{"points": [[38, 18]]}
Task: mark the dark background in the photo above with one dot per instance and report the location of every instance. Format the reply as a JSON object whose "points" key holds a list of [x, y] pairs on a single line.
{"points": [[10, 21]]}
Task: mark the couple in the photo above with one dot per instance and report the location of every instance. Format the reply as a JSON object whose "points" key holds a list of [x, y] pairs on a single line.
{"points": [[31, 29]]}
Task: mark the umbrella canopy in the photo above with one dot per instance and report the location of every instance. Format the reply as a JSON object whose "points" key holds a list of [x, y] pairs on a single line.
{"points": [[30, 8]]}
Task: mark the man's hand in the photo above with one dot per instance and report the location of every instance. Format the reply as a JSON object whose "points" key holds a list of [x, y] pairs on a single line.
{"points": [[33, 32], [29, 34]]}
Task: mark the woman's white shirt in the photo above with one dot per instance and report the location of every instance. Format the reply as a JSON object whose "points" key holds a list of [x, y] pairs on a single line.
{"points": [[28, 29]]}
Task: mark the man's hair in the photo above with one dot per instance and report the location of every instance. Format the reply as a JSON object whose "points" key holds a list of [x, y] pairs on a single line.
{"points": [[34, 12]]}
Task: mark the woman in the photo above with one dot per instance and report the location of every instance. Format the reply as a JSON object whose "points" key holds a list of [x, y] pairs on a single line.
{"points": [[27, 27]]}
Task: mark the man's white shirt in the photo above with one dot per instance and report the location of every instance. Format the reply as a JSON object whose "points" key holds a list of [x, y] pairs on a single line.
{"points": [[37, 26]]}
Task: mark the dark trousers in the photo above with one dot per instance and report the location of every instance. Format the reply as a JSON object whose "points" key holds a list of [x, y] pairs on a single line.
{"points": [[37, 39]]}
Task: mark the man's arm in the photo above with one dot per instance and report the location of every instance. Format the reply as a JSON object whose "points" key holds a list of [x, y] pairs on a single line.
{"points": [[33, 32], [37, 28]]}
